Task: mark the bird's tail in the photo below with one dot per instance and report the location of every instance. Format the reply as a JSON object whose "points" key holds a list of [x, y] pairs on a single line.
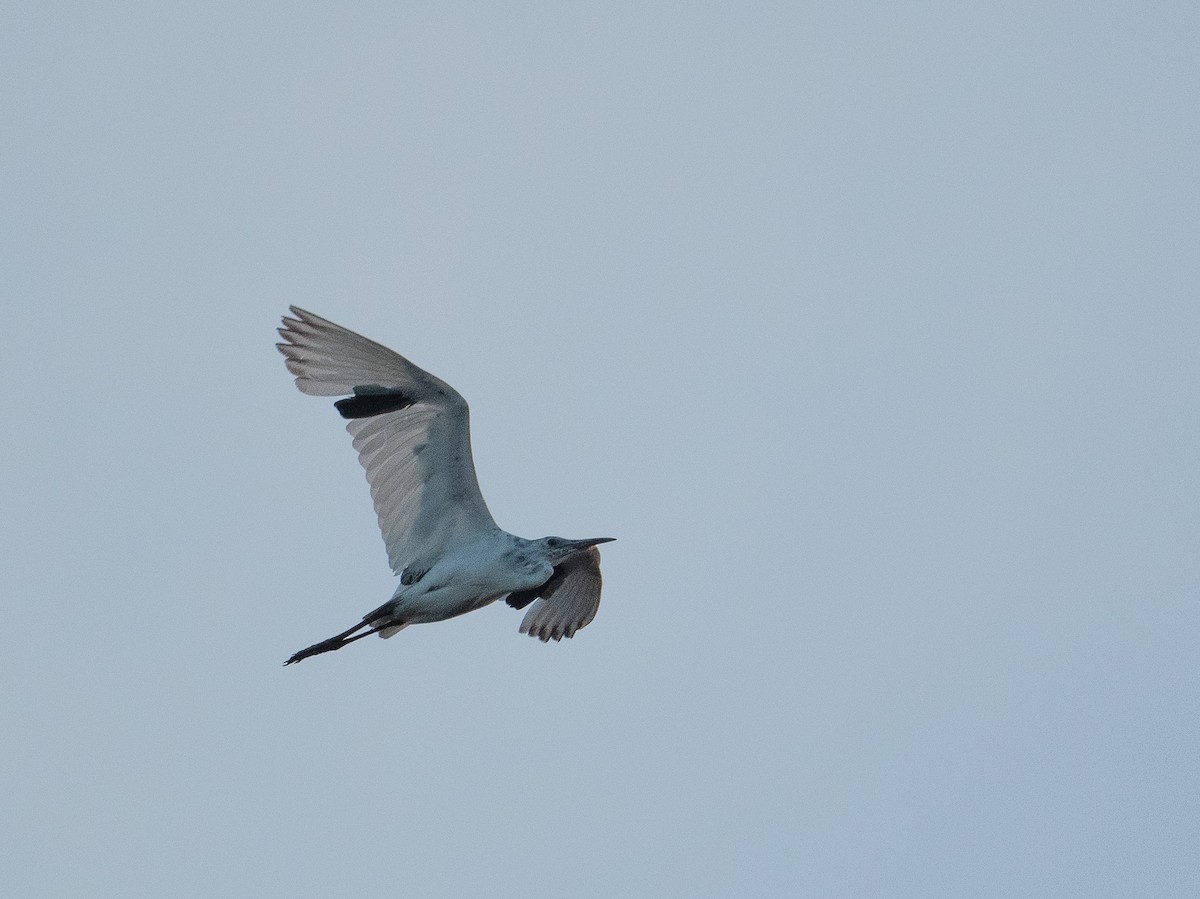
{"points": [[377, 622]]}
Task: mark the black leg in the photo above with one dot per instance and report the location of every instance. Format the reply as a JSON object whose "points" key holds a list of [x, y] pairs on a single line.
{"points": [[342, 639]]}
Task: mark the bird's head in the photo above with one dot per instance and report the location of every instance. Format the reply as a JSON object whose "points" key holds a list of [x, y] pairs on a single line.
{"points": [[559, 548]]}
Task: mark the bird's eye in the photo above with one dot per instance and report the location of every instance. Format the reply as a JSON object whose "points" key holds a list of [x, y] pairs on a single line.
{"points": [[554, 542]]}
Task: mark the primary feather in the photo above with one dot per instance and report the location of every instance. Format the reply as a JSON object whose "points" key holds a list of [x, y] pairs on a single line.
{"points": [[566, 602], [417, 456]]}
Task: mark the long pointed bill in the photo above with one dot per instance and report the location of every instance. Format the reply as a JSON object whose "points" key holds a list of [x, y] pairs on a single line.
{"points": [[584, 544]]}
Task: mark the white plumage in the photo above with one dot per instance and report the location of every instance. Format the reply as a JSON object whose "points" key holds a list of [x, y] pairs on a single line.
{"points": [[412, 433]]}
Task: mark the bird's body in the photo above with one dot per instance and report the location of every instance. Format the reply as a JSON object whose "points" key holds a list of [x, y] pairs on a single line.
{"points": [[470, 576], [412, 433]]}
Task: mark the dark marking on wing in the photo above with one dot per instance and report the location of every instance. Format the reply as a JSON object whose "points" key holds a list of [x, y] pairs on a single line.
{"points": [[522, 598], [369, 403], [412, 575]]}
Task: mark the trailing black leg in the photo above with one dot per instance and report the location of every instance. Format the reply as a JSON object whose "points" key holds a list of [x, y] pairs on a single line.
{"points": [[345, 638]]}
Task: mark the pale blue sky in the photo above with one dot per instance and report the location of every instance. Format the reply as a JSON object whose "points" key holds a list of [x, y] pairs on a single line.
{"points": [[870, 329]]}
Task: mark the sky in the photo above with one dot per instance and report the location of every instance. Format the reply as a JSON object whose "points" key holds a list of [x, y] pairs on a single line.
{"points": [[869, 329]]}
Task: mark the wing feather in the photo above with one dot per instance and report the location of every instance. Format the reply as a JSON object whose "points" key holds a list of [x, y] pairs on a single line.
{"points": [[567, 602], [418, 458]]}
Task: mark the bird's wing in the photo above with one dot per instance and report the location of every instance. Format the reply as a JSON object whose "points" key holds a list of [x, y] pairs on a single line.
{"points": [[566, 602], [412, 432]]}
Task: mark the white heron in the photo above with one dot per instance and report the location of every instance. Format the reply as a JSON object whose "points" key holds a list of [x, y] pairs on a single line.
{"points": [[412, 433]]}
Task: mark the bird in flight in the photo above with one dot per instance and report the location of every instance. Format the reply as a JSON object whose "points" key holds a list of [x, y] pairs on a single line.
{"points": [[412, 433]]}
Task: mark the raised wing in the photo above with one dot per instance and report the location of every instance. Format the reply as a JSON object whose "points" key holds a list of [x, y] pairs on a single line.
{"points": [[566, 602], [412, 432]]}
